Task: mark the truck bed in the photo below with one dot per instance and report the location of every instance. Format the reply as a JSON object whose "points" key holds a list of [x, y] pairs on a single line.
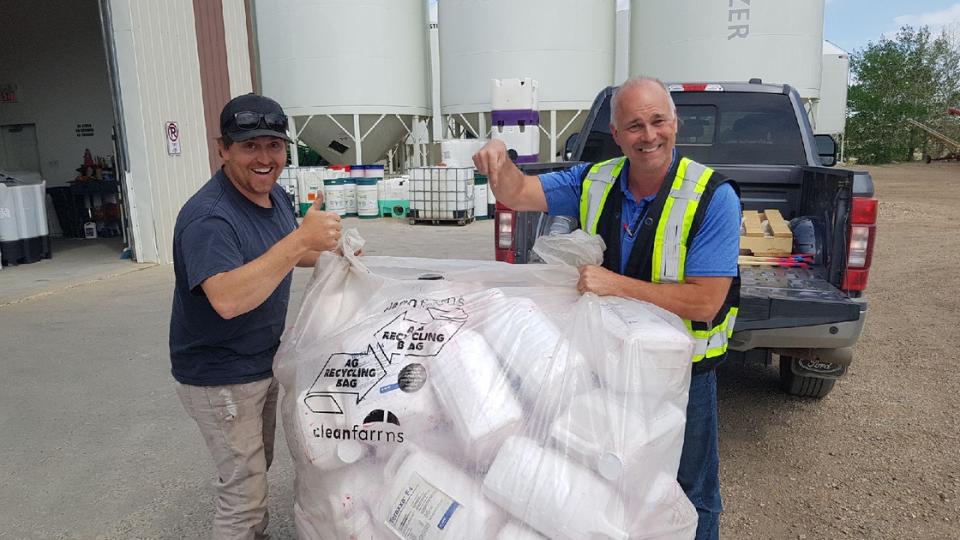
{"points": [[772, 297]]}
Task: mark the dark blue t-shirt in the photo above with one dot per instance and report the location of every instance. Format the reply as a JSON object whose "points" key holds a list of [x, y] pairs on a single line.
{"points": [[218, 230]]}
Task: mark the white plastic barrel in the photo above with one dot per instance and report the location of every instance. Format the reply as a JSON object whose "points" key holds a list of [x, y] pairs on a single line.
{"points": [[456, 506], [350, 196], [557, 497], [9, 232], [368, 202], [333, 196], [476, 394]]}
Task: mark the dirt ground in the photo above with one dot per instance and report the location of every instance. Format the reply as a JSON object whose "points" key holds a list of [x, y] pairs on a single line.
{"points": [[879, 457]]}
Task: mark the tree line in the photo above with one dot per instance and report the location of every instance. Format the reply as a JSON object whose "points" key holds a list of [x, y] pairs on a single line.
{"points": [[914, 75]]}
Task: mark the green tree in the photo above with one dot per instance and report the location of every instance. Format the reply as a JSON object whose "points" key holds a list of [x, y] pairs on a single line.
{"points": [[915, 75]]}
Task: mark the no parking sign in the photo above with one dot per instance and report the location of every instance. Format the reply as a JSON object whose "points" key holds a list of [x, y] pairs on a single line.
{"points": [[173, 138]]}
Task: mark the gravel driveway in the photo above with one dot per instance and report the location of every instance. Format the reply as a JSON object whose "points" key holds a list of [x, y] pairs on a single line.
{"points": [[880, 456]]}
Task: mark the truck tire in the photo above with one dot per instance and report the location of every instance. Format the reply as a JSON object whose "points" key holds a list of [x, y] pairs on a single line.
{"points": [[802, 385]]}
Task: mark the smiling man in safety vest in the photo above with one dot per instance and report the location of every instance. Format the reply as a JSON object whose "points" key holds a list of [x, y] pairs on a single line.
{"points": [[672, 230]]}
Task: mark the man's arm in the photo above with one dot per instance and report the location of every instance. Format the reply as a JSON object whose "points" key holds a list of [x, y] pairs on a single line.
{"points": [[309, 260], [697, 299], [243, 289], [511, 187]]}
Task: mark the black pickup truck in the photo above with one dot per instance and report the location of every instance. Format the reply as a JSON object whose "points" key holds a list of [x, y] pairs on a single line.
{"points": [[809, 316]]}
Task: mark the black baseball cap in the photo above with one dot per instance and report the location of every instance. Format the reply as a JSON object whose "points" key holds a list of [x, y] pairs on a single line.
{"points": [[251, 115]]}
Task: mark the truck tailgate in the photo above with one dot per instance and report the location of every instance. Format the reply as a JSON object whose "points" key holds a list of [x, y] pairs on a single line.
{"points": [[785, 297]]}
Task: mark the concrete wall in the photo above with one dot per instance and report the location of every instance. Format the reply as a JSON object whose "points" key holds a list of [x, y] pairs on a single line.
{"points": [[53, 51]]}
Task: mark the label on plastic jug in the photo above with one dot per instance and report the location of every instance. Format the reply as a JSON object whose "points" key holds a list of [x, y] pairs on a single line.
{"points": [[421, 512]]}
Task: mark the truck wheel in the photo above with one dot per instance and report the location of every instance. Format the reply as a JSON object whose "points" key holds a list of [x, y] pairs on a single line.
{"points": [[802, 385]]}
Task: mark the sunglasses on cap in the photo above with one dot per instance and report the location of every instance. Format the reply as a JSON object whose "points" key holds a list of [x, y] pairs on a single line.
{"points": [[248, 120]]}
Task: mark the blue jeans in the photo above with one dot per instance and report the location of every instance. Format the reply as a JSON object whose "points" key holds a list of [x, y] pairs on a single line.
{"points": [[699, 473]]}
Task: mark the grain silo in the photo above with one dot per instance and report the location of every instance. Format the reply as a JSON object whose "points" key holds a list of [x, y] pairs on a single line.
{"points": [[352, 74], [567, 46], [831, 112], [778, 41]]}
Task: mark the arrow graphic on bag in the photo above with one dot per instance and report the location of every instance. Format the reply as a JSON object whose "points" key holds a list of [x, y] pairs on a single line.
{"points": [[421, 336], [345, 374]]}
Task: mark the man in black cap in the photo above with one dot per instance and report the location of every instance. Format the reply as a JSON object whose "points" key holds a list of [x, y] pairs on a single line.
{"points": [[235, 245]]}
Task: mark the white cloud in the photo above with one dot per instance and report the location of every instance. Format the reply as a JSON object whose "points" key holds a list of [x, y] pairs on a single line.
{"points": [[945, 21], [933, 19]]}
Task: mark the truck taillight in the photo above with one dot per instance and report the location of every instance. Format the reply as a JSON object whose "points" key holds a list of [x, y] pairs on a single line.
{"points": [[504, 237], [505, 230], [863, 232]]}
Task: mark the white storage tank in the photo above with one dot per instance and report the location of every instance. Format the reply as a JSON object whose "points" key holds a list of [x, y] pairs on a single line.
{"points": [[567, 46], [779, 41], [831, 111], [344, 69]]}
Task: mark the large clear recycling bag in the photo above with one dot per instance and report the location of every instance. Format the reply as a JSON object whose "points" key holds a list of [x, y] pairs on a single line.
{"points": [[455, 399]]}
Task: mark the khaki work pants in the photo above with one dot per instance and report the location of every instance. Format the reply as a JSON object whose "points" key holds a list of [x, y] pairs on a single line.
{"points": [[238, 423]]}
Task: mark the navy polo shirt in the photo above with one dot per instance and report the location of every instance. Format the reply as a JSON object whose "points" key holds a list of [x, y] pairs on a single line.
{"points": [[218, 230]]}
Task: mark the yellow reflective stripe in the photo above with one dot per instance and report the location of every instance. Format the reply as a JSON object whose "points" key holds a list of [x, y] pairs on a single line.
{"points": [[658, 239], [688, 214], [731, 320], [703, 336], [706, 334], [584, 205], [590, 207], [681, 172]]}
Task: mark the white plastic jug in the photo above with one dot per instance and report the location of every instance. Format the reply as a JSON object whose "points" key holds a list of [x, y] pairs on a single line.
{"points": [[342, 498], [535, 352], [514, 530], [352, 520], [558, 497], [322, 450], [475, 393], [619, 440], [662, 512], [654, 352], [427, 497]]}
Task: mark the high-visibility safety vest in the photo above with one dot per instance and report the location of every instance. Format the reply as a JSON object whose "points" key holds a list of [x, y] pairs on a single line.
{"points": [[663, 238]]}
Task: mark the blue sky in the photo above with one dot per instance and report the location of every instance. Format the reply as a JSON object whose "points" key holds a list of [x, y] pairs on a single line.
{"points": [[851, 24]]}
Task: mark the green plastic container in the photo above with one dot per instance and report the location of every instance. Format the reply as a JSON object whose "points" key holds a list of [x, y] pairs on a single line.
{"points": [[397, 208]]}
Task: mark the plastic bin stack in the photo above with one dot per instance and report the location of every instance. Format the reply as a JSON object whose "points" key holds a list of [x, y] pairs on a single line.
{"points": [[349, 190], [24, 233], [477, 400], [515, 117]]}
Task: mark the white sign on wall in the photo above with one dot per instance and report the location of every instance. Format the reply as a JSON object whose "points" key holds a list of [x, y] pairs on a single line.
{"points": [[173, 138]]}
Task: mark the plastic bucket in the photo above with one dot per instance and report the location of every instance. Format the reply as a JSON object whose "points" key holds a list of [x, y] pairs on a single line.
{"points": [[333, 196], [368, 201], [350, 196]]}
